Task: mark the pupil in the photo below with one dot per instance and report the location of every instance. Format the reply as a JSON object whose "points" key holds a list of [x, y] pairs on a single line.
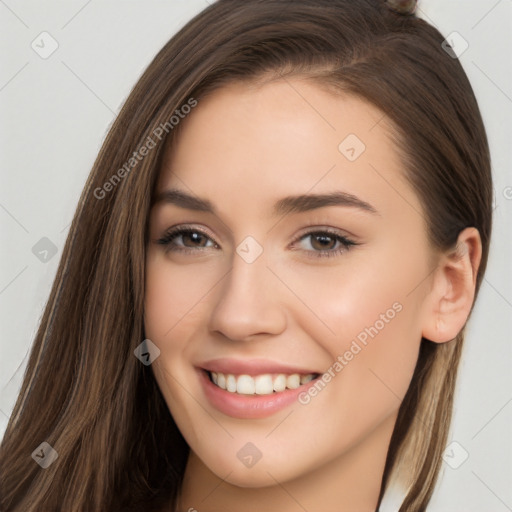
{"points": [[324, 240], [195, 237]]}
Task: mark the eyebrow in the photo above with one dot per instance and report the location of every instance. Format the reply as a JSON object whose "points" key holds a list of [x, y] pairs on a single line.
{"points": [[287, 205]]}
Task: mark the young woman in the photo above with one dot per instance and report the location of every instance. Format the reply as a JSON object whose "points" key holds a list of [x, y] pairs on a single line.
{"points": [[262, 299]]}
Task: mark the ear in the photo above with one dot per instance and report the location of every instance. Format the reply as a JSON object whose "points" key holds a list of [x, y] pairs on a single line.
{"points": [[450, 299]]}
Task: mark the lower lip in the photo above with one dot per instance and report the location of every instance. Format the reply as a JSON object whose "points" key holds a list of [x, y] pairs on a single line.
{"points": [[249, 406]]}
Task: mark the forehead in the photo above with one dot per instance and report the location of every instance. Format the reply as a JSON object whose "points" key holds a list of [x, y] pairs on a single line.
{"points": [[254, 144]]}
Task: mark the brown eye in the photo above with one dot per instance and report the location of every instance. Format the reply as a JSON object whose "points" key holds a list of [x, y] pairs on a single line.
{"points": [[195, 237], [326, 243], [185, 239], [323, 241]]}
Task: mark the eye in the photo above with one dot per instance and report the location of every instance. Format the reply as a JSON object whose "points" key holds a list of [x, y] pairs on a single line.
{"points": [[185, 239], [326, 243]]}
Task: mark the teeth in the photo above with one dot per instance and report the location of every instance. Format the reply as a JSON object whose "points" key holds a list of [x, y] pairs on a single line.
{"points": [[245, 385], [293, 381], [231, 383], [280, 383], [261, 384], [304, 379]]}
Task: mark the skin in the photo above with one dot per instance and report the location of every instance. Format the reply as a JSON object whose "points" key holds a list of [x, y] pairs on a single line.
{"points": [[243, 148]]}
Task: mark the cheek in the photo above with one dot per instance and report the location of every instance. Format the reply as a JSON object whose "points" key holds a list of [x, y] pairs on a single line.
{"points": [[171, 309], [171, 315], [173, 297], [368, 322], [174, 313]]}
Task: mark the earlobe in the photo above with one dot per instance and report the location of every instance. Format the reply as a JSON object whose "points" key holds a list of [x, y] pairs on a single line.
{"points": [[453, 289]]}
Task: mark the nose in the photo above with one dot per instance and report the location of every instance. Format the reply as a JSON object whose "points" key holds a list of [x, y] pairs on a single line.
{"points": [[248, 303]]}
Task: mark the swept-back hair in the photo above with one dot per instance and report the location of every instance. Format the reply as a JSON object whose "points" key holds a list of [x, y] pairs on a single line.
{"points": [[85, 393]]}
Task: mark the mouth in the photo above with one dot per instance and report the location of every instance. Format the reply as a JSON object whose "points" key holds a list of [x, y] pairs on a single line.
{"points": [[263, 384], [253, 388]]}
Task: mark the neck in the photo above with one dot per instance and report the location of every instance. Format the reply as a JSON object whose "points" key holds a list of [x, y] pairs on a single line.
{"points": [[348, 483]]}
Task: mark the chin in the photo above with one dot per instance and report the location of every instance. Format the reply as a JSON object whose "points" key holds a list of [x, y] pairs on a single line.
{"points": [[252, 477], [263, 473]]}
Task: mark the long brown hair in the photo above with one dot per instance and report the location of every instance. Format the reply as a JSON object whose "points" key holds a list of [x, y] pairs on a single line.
{"points": [[84, 392]]}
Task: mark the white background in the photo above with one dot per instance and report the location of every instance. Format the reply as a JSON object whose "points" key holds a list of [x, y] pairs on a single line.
{"points": [[56, 112]]}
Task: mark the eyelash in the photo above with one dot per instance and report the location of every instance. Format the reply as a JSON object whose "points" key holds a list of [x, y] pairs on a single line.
{"points": [[170, 235]]}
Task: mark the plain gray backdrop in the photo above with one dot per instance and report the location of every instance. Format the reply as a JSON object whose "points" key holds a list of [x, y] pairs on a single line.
{"points": [[57, 108]]}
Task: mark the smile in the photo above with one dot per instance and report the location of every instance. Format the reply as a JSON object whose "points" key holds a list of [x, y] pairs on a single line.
{"points": [[264, 384]]}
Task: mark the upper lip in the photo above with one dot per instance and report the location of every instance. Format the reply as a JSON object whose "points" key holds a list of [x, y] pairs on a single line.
{"points": [[252, 367]]}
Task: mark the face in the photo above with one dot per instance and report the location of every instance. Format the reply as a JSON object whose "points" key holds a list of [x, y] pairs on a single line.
{"points": [[288, 327]]}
